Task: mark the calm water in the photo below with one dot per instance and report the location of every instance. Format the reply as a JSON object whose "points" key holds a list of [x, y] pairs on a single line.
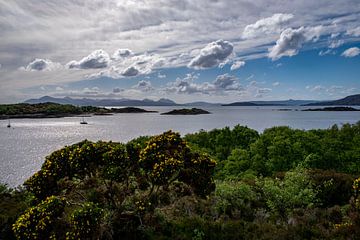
{"points": [[24, 146]]}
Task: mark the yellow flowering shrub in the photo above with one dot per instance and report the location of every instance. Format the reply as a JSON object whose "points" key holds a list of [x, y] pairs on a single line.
{"points": [[85, 222], [37, 222], [167, 157]]}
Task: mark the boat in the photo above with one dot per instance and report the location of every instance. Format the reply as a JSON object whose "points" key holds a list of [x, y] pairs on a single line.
{"points": [[9, 125], [82, 121]]}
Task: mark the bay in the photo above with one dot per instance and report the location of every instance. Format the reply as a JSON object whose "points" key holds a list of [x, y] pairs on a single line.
{"points": [[23, 147]]}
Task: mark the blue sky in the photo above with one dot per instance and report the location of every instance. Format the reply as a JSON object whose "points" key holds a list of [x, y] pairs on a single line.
{"points": [[182, 50]]}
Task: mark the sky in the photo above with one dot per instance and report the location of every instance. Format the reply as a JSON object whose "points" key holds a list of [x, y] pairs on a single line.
{"points": [[183, 50]]}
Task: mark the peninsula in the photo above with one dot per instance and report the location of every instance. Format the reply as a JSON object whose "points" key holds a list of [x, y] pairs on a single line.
{"points": [[55, 110], [185, 111]]}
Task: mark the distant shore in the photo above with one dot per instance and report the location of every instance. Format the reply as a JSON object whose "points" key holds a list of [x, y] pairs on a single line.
{"points": [[55, 110]]}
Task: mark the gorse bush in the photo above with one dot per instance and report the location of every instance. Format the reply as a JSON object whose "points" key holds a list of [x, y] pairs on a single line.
{"points": [[38, 222], [85, 222], [281, 184]]}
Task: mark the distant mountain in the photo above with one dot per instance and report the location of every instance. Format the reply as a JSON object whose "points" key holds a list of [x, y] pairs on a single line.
{"points": [[103, 102], [353, 100], [289, 102], [204, 104], [241, 104]]}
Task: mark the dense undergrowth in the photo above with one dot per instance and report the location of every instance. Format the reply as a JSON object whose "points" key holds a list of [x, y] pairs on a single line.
{"points": [[222, 184]]}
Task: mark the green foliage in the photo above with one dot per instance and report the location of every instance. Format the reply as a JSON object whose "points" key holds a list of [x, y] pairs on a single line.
{"points": [[13, 202], [162, 188], [38, 222], [78, 160], [163, 157], [295, 191], [236, 199], [333, 188], [220, 142], [167, 158], [85, 222]]}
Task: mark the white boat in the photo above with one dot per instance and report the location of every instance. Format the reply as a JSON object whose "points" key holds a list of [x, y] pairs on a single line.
{"points": [[82, 121]]}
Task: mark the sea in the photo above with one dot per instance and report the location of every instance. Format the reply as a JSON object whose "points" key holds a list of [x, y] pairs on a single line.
{"points": [[24, 146]]}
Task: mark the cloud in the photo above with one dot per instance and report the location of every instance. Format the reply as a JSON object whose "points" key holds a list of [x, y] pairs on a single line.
{"points": [[42, 65], [91, 91], [327, 52], [336, 44], [130, 72], [237, 65], [264, 90], [275, 84], [266, 26], [144, 86], [59, 89], [122, 53], [131, 66], [97, 59], [291, 40], [212, 54], [221, 85], [316, 88], [354, 32], [351, 52], [118, 90], [227, 82], [160, 75]]}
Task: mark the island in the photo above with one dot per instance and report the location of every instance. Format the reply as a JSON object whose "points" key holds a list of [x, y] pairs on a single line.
{"points": [[186, 111], [55, 110], [334, 109]]}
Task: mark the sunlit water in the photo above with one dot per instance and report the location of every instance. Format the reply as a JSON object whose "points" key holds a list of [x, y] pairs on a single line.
{"points": [[24, 146]]}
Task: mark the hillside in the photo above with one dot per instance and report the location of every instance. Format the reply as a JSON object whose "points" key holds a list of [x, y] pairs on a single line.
{"points": [[353, 100], [103, 102]]}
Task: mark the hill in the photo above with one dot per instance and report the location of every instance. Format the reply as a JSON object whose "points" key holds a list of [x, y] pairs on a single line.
{"points": [[103, 102], [352, 100], [290, 102]]}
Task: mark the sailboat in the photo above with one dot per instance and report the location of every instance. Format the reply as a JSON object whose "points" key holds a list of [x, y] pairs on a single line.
{"points": [[82, 121], [9, 125]]}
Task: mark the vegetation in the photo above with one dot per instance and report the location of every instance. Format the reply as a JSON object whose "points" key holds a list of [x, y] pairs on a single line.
{"points": [[41, 110], [185, 111], [222, 184], [339, 109]]}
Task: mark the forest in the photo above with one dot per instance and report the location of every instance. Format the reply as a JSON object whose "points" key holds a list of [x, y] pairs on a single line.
{"points": [[229, 183]]}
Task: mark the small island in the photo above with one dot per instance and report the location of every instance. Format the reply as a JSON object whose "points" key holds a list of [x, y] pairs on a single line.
{"points": [[186, 111], [334, 109], [55, 110]]}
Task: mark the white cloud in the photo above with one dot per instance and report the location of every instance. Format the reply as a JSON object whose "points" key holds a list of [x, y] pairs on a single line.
{"points": [[132, 66], [354, 32], [266, 26], [291, 40], [97, 59], [130, 72], [336, 44], [351, 52], [316, 88], [59, 89], [227, 82], [237, 65], [327, 52], [160, 75], [221, 85], [144, 86], [122, 53], [42, 65], [275, 84], [264, 90], [212, 54]]}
